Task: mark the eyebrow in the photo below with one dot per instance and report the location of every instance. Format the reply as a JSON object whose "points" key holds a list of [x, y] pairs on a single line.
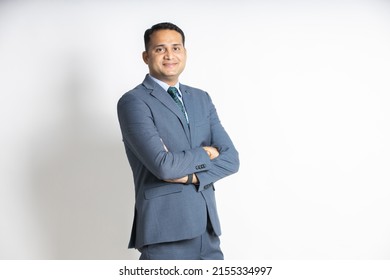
{"points": [[164, 45]]}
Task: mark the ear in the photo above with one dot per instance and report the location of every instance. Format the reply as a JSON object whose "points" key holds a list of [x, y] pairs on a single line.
{"points": [[145, 57]]}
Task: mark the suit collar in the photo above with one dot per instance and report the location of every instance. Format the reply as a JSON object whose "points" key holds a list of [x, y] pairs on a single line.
{"points": [[159, 93], [149, 83]]}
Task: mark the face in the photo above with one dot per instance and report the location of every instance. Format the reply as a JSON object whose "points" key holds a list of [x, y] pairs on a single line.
{"points": [[166, 56]]}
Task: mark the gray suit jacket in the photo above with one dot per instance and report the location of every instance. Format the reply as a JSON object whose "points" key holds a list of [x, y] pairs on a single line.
{"points": [[151, 122]]}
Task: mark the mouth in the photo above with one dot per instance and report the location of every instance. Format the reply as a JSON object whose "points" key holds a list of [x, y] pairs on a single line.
{"points": [[170, 65]]}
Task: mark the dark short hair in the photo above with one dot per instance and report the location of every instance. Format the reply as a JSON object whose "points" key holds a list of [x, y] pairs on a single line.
{"points": [[161, 26]]}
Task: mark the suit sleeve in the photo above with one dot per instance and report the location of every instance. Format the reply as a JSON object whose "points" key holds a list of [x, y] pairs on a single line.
{"points": [[141, 136], [227, 162]]}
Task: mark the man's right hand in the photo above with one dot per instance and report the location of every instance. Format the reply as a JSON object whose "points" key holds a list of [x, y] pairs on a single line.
{"points": [[211, 151]]}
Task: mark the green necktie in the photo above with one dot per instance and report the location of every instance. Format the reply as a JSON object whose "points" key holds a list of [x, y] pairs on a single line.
{"points": [[174, 93]]}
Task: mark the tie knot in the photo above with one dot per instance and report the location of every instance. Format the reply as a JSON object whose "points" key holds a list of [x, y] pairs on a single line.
{"points": [[173, 91]]}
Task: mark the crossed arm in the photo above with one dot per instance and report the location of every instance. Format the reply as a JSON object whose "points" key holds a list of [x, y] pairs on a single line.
{"points": [[212, 153], [142, 138]]}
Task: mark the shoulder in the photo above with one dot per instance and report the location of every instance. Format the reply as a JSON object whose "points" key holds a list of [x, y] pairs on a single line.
{"points": [[147, 86], [197, 92], [136, 92], [191, 89]]}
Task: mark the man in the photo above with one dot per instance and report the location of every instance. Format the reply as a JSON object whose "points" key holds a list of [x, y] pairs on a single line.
{"points": [[177, 148]]}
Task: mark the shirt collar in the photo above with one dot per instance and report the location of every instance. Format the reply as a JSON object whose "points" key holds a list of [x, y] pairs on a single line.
{"points": [[165, 86]]}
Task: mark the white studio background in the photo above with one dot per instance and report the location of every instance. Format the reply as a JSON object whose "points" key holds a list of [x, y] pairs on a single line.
{"points": [[301, 86]]}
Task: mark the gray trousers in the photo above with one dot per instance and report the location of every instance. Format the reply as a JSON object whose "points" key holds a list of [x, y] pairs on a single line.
{"points": [[203, 247]]}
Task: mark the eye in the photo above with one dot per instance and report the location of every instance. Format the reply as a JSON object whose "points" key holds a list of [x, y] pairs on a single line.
{"points": [[176, 49], [160, 50]]}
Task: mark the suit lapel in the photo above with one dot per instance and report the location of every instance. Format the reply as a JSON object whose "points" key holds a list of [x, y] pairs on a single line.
{"points": [[189, 105], [159, 93]]}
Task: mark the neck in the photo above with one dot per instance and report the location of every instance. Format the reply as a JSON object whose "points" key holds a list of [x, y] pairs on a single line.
{"points": [[170, 83]]}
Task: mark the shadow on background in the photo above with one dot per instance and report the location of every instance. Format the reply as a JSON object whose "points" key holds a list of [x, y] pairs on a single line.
{"points": [[81, 182]]}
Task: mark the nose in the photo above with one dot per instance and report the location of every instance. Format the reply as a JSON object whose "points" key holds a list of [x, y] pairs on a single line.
{"points": [[168, 54]]}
